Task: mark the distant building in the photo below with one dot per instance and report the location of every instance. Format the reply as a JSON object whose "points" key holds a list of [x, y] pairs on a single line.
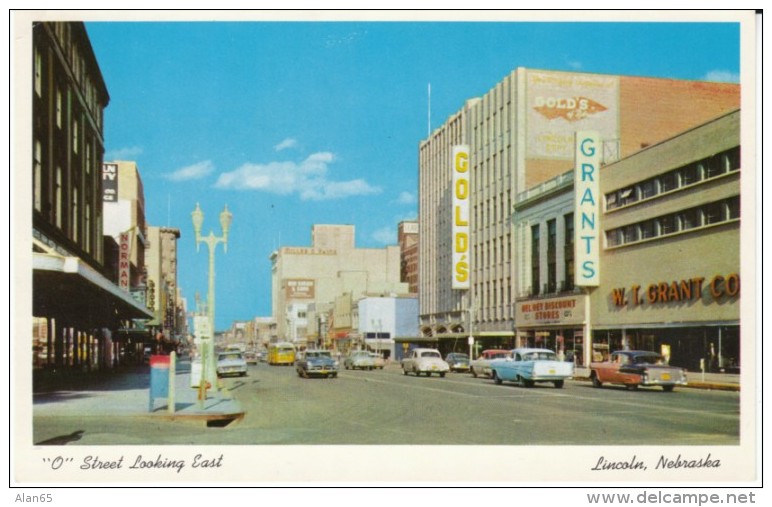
{"points": [[77, 303], [407, 237], [162, 290], [323, 273]]}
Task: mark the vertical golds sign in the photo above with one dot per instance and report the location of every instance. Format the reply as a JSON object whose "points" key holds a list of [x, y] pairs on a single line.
{"points": [[586, 209], [460, 217]]}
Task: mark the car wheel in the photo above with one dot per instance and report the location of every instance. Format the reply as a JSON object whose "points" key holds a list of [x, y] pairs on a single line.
{"points": [[668, 389], [442, 374], [595, 381], [528, 383], [474, 373], [404, 371], [334, 375], [631, 387], [496, 378], [558, 384]]}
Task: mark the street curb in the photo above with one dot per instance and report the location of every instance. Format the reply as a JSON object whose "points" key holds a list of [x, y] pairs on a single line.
{"points": [[712, 386]]}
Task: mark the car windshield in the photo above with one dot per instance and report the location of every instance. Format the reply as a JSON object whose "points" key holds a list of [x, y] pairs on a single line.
{"points": [[649, 359], [496, 355], [458, 357], [229, 356], [319, 353], [430, 354], [534, 356]]}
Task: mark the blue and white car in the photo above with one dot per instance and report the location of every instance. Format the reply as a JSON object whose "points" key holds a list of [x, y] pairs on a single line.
{"points": [[527, 366]]}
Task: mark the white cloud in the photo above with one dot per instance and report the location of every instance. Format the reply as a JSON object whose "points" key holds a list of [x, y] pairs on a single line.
{"points": [[406, 198], [123, 154], [286, 144], [386, 235], [575, 64], [722, 76], [191, 172], [307, 178]]}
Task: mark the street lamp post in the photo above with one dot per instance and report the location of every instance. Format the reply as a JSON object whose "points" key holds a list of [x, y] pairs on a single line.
{"points": [[211, 241]]}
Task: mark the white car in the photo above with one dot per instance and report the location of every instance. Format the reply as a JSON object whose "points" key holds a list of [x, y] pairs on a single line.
{"points": [[426, 361], [231, 362]]}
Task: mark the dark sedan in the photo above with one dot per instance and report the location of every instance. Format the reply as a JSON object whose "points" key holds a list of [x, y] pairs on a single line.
{"points": [[316, 363]]}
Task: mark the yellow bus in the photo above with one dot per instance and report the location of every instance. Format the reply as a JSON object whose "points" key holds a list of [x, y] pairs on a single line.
{"points": [[281, 354]]}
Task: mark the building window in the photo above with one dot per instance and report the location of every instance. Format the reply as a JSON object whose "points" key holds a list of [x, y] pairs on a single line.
{"points": [[38, 73], [535, 259], [714, 213], [648, 188], [75, 137], [668, 181], [648, 229], [569, 251], [87, 228], [552, 271], [75, 217], [733, 208], [667, 225], [59, 108], [58, 204], [38, 177], [690, 174], [689, 219]]}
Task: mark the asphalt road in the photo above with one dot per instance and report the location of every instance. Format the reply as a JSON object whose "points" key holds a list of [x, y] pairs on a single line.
{"points": [[384, 407]]}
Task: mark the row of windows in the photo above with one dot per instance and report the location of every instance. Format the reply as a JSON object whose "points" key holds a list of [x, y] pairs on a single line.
{"points": [[551, 285], [707, 168], [708, 214]]}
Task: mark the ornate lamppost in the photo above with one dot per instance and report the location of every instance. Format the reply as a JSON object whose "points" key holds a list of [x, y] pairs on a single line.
{"points": [[210, 368]]}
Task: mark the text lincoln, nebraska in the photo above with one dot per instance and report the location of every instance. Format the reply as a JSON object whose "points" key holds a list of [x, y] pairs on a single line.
{"points": [[664, 462]]}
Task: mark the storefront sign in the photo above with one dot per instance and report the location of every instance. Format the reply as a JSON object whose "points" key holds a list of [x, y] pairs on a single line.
{"points": [[124, 263], [300, 289], [110, 182], [569, 310], [690, 289], [460, 208], [586, 209]]}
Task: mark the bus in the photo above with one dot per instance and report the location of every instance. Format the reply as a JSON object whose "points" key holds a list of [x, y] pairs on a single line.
{"points": [[281, 354]]}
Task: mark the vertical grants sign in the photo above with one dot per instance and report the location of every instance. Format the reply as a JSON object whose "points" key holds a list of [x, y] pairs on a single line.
{"points": [[586, 208], [460, 229]]}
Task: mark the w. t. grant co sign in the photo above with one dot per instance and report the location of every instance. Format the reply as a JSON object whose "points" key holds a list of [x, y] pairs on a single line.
{"points": [[537, 312]]}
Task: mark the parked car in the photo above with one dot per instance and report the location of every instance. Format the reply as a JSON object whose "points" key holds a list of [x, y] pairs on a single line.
{"points": [[231, 362], [457, 361], [378, 360], [481, 365], [359, 360], [250, 357], [426, 361], [316, 363], [633, 368], [528, 366]]}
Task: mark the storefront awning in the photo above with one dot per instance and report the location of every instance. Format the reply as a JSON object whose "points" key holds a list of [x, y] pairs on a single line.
{"points": [[69, 289]]}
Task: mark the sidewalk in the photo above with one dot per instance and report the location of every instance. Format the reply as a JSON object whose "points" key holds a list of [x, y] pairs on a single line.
{"points": [[697, 380], [126, 391]]}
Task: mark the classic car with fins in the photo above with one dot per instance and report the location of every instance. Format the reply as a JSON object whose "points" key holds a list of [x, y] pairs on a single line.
{"points": [[528, 366], [633, 368]]}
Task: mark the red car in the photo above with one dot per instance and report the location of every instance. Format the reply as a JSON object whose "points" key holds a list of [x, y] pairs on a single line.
{"points": [[633, 368]]}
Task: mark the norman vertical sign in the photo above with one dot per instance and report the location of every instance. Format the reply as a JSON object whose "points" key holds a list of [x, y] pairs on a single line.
{"points": [[460, 161], [586, 209]]}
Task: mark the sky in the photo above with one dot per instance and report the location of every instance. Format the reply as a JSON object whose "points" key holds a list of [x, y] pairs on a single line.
{"points": [[292, 124]]}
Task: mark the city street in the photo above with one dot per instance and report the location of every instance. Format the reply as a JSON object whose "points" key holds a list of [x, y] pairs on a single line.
{"points": [[384, 407]]}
